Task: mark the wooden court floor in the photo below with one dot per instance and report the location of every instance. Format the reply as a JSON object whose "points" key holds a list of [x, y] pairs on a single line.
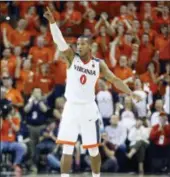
{"points": [[84, 175], [102, 175]]}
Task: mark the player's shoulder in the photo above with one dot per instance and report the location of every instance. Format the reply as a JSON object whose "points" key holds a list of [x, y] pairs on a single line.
{"points": [[96, 59]]}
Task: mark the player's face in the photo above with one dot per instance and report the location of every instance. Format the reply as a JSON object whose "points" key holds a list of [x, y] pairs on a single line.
{"points": [[83, 46]]}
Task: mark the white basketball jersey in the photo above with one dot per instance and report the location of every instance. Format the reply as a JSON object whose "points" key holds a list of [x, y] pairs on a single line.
{"points": [[81, 80]]}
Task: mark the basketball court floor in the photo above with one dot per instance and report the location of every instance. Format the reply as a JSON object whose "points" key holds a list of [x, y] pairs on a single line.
{"points": [[102, 175]]}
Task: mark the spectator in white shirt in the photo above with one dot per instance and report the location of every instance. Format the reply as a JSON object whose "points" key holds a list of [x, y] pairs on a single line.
{"points": [[138, 137], [105, 102], [117, 135], [155, 116], [141, 106], [167, 100], [127, 115]]}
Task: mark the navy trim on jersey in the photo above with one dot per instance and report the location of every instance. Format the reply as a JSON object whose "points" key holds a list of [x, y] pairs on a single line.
{"points": [[96, 59]]}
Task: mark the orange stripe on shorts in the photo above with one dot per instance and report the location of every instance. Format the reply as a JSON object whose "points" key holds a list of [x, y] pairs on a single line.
{"points": [[65, 142]]}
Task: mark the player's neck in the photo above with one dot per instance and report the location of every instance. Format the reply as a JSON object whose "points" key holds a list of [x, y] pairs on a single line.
{"points": [[86, 58]]}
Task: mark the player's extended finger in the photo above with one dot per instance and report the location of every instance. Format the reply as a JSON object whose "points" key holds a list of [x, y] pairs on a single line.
{"points": [[48, 9]]}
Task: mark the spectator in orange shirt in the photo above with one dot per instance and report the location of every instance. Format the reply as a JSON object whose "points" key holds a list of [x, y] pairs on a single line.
{"points": [[20, 36], [5, 31], [23, 75], [32, 21], [164, 17], [103, 41], [24, 6], [123, 71], [44, 79], [146, 28], [8, 63], [89, 19], [44, 32], [40, 54], [9, 126], [11, 93], [70, 19], [150, 77], [147, 13], [145, 54], [162, 45]]}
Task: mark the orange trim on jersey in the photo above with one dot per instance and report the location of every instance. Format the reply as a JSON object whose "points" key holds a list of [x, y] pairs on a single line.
{"points": [[66, 142], [90, 146]]}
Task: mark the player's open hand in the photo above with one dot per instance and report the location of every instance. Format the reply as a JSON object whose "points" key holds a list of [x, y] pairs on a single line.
{"points": [[49, 15]]}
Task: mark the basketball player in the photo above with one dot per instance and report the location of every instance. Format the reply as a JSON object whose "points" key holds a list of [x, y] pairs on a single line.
{"points": [[80, 114]]}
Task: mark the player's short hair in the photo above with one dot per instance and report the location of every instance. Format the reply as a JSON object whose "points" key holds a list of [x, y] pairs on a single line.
{"points": [[86, 37]]}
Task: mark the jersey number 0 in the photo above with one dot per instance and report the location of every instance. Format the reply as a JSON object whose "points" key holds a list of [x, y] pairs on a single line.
{"points": [[83, 79]]}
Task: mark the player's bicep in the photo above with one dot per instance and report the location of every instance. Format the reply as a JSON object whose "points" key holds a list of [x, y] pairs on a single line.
{"points": [[107, 74], [69, 55]]}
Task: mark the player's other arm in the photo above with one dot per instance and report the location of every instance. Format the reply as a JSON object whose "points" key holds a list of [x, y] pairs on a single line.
{"points": [[58, 37], [109, 76]]}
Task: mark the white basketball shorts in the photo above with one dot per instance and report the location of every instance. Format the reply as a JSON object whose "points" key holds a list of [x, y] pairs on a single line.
{"points": [[80, 119]]}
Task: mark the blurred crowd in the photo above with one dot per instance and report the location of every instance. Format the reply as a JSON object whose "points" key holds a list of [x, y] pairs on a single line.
{"points": [[133, 38]]}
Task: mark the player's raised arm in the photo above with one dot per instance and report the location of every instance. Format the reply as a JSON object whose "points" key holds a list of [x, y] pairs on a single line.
{"points": [[118, 83], [58, 37]]}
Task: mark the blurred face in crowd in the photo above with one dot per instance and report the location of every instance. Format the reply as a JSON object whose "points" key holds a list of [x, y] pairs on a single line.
{"points": [[128, 37], [145, 38], [130, 6], [138, 84], [87, 32], [32, 10], [17, 51], [160, 3], [51, 6], [123, 61], [94, 47], [114, 120], [7, 82], [37, 93], [128, 102], [165, 10], [83, 46], [159, 105], [123, 10], [139, 123], [59, 103], [163, 120], [120, 29], [164, 30], [40, 42], [102, 30], [70, 5], [92, 14], [147, 7], [135, 24], [146, 25], [22, 24], [43, 29], [6, 53], [27, 64], [151, 67]]}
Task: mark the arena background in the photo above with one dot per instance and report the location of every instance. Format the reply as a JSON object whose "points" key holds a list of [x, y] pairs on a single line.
{"points": [[132, 38]]}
